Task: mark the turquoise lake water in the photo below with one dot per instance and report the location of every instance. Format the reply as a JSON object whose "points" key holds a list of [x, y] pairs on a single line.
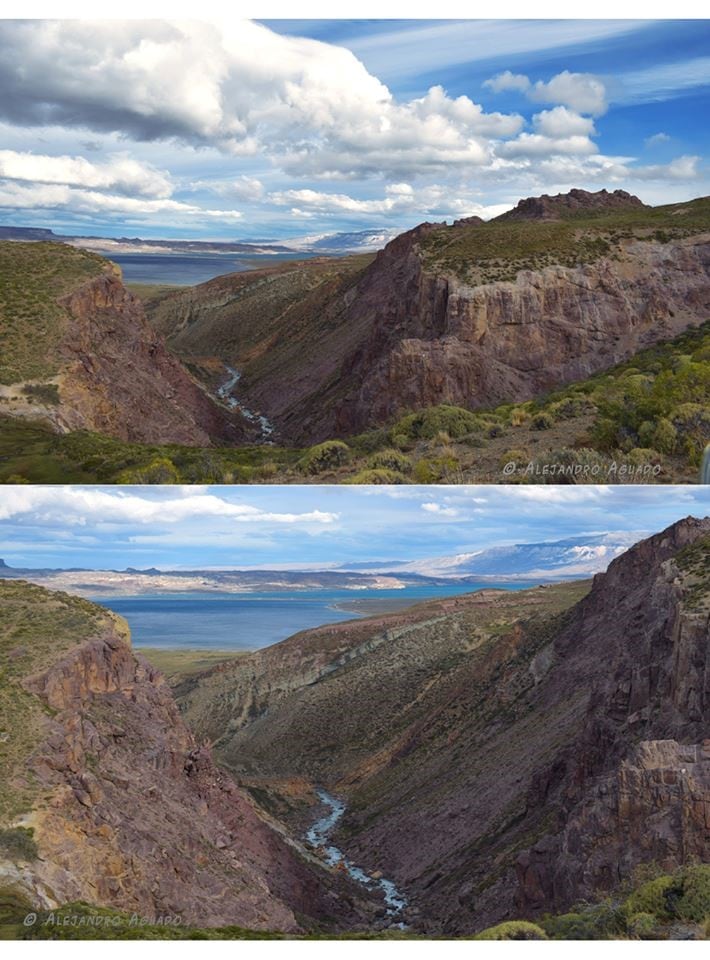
{"points": [[187, 269], [227, 621]]}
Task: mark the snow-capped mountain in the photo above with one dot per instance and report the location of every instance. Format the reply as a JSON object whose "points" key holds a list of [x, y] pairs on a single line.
{"points": [[360, 241], [550, 560]]}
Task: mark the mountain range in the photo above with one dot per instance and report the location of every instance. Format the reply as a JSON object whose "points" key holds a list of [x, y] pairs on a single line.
{"points": [[570, 558], [559, 559], [324, 243]]}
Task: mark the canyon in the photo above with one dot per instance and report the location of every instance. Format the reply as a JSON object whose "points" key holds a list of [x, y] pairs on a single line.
{"points": [[474, 315], [492, 756], [499, 755]]}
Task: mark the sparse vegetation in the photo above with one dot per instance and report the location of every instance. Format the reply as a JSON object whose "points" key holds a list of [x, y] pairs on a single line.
{"points": [[497, 251], [31, 318], [37, 629], [646, 420]]}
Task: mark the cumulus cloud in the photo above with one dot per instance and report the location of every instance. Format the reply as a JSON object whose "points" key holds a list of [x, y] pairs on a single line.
{"points": [[237, 86], [561, 122], [82, 505], [508, 81], [582, 92], [120, 173], [537, 145], [437, 200], [77, 201], [682, 168], [656, 139], [240, 188], [440, 510]]}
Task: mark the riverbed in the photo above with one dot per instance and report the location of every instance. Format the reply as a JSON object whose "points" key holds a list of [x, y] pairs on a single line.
{"points": [[319, 836]]}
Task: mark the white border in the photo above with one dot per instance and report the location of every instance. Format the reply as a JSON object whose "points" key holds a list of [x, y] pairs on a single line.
{"points": [[366, 9]]}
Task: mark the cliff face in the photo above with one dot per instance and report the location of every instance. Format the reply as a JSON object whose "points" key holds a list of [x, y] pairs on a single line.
{"points": [[435, 339], [128, 810], [474, 315], [79, 353], [501, 755], [121, 380]]}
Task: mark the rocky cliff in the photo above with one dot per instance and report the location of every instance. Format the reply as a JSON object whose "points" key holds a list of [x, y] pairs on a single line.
{"points": [[127, 809], [505, 754], [80, 354], [474, 315]]}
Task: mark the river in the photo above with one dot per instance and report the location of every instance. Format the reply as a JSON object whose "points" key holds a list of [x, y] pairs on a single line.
{"points": [[226, 395], [319, 836]]}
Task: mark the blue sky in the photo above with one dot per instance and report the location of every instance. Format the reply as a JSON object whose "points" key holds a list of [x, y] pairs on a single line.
{"points": [[287, 128], [189, 527]]}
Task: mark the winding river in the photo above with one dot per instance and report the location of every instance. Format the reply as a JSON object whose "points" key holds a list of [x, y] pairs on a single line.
{"points": [[224, 393], [319, 836]]}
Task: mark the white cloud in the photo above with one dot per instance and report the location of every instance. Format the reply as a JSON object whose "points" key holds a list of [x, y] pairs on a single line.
{"points": [[580, 91], [508, 81], [662, 81], [682, 168], [437, 200], [440, 510], [119, 173], [237, 86], [241, 188], [657, 138], [61, 197], [77, 505], [561, 122], [583, 92], [536, 145]]}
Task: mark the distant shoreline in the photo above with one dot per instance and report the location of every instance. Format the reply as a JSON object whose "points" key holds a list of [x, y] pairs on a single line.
{"points": [[373, 606]]}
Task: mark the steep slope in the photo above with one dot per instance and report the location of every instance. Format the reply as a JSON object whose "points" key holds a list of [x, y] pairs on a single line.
{"points": [[505, 756], [78, 352], [105, 797], [474, 314]]}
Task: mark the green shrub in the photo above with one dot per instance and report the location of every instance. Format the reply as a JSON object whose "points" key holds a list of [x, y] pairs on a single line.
{"points": [[693, 904], [651, 897], [390, 460], [646, 433], [568, 408], [324, 456], [17, 843], [643, 926], [513, 930], [665, 437], [542, 421], [14, 906], [379, 476], [599, 921], [434, 469], [427, 424], [46, 393], [514, 456], [400, 441], [159, 470]]}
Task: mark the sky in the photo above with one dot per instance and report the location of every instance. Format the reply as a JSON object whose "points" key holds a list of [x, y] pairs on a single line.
{"points": [[279, 526], [236, 129]]}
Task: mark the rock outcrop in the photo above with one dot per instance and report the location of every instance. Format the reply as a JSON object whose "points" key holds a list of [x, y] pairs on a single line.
{"points": [[574, 202], [473, 315], [506, 754], [129, 810], [80, 354], [120, 379]]}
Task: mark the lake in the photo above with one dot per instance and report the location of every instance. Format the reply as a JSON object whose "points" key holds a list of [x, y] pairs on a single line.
{"points": [[187, 269], [227, 621]]}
